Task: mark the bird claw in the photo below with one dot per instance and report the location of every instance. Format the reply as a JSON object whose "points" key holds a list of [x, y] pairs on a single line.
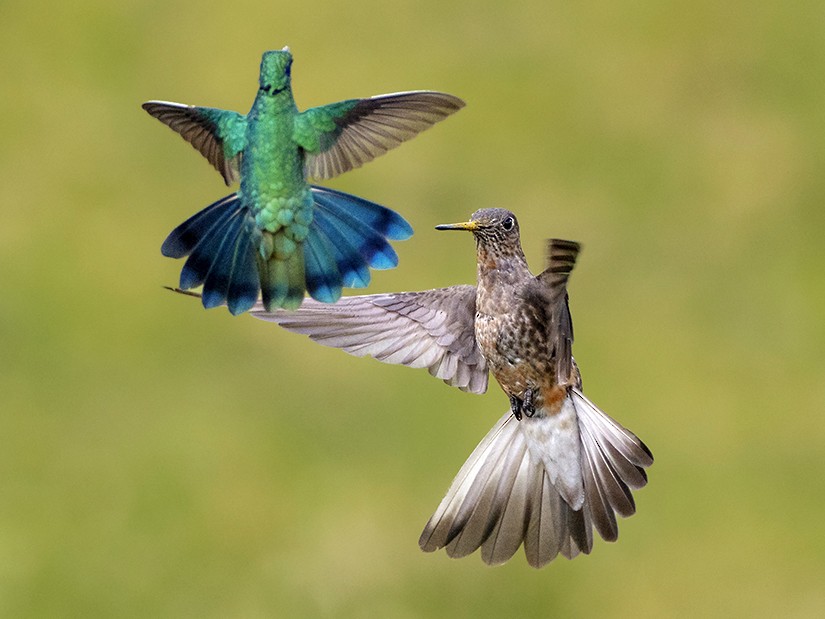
{"points": [[515, 407], [524, 406], [527, 404]]}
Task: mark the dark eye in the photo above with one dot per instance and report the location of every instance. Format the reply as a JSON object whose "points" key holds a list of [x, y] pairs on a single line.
{"points": [[507, 224]]}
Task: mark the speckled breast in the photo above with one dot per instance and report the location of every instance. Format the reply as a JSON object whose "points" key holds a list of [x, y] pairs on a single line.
{"points": [[516, 350]]}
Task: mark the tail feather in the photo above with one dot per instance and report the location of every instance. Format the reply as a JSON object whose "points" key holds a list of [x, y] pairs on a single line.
{"points": [[245, 283], [284, 283], [507, 492], [607, 469], [454, 512], [347, 236], [216, 283], [385, 221], [204, 253], [220, 242], [323, 279], [480, 510], [296, 280], [351, 264], [603, 516], [267, 277], [550, 530], [366, 225], [373, 247], [233, 278], [511, 524], [182, 240]]}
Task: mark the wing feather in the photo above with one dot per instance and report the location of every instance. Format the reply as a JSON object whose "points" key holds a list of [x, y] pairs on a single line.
{"points": [[215, 134], [432, 329], [368, 128], [552, 282]]}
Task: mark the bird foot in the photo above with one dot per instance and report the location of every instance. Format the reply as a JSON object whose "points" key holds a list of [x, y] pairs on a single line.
{"points": [[515, 407], [523, 406], [527, 403]]}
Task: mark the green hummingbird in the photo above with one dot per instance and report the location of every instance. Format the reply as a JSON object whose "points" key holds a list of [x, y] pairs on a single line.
{"points": [[278, 235]]}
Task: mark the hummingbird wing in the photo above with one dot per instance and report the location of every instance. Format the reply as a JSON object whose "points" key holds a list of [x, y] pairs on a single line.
{"points": [[561, 258], [218, 135], [345, 135], [432, 329]]}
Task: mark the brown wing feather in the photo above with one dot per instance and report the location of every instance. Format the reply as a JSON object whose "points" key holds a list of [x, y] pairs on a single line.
{"points": [[199, 131], [379, 124], [561, 258]]}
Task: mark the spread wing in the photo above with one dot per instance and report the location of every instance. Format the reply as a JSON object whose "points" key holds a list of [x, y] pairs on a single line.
{"points": [[432, 329], [561, 258], [218, 135], [345, 135]]}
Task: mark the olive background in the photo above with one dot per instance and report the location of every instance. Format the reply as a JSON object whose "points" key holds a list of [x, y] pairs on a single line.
{"points": [[159, 460]]}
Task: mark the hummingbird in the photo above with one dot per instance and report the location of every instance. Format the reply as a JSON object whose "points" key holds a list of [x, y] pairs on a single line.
{"points": [[554, 467], [278, 235]]}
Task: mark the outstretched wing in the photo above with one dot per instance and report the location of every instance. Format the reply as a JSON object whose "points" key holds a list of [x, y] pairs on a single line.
{"points": [[345, 135], [218, 135], [432, 329], [561, 258]]}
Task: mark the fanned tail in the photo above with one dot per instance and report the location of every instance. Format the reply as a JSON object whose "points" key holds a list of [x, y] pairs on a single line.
{"points": [[546, 481], [348, 235], [221, 242]]}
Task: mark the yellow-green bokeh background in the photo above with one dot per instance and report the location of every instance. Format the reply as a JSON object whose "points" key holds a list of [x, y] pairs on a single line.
{"points": [[158, 460]]}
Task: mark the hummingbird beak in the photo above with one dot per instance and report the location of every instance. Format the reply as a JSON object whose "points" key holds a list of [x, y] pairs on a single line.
{"points": [[470, 226]]}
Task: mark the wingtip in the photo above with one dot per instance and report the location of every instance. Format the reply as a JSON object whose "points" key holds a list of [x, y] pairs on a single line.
{"points": [[152, 106], [458, 101]]}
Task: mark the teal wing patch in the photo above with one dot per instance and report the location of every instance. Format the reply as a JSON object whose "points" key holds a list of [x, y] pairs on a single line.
{"points": [[218, 135], [345, 135], [317, 129]]}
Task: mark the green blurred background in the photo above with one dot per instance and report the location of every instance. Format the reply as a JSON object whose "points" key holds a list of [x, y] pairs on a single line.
{"points": [[159, 460]]}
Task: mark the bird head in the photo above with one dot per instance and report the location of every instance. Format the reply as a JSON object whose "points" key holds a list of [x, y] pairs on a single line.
{"points": [[276, 68], [490, 226], [498, 248]]}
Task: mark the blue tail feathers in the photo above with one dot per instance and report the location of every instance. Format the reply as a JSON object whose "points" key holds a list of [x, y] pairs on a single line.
{"points": [[323, 279], [365, 226], [347, 236], [220, 243]]}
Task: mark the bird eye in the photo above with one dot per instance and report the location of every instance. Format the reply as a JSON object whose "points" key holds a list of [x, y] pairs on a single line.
{"points": [[507, 224]]}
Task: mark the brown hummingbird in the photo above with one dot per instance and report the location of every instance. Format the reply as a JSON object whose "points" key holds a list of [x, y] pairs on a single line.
{"points": [[555, 466]]}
